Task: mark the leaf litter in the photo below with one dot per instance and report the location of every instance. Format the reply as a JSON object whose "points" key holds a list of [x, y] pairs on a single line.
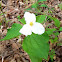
{"points": [[11, 50]]}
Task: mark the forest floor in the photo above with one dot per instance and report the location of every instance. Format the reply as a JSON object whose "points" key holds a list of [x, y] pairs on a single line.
{"points": [[11, 50]]}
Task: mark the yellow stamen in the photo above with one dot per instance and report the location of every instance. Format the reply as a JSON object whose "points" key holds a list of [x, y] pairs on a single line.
{"points": [[31, 23]]}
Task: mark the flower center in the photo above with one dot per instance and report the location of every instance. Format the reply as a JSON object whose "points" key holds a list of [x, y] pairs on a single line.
{"points": [[31, 23]]}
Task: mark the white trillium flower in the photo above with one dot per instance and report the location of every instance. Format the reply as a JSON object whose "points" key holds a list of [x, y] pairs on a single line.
{"points": [[31, 25]]}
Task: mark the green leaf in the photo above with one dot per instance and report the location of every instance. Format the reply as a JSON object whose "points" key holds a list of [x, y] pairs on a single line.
{"points": [[40, 18], [18, 17], [52, 53], [35, 59], [35, 5], [60, 29], [1, 14], [42, 0], [36, 46], [56, 33], [22, 20], [54, 40], [44, 5], [12, 32], [56, 21], [49, 18], [28, 9], [50, 31]]}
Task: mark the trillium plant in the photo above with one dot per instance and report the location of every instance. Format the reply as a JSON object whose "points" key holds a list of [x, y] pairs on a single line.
{"points": [[35, 43], [31, 25]]}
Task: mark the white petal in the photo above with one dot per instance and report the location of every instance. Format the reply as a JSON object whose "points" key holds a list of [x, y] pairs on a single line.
{"points": [[26, 30], [29, 17], [38, 28]]}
